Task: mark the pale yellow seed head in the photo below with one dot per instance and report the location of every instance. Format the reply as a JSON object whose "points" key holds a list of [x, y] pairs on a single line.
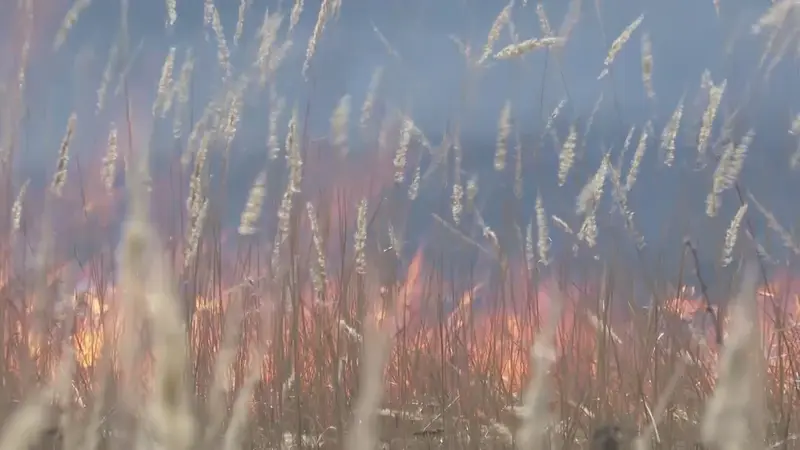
{"points": [[647, 65], [360, 238], [618, 43], [525, 47], [567, 156], [60, 176], [255, 201], [110, 159], [340, 123], [503, 132], [732, 235], [500, 22]]}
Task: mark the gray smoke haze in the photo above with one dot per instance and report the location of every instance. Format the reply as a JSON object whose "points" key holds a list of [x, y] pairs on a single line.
{"points": [[426, 80]]}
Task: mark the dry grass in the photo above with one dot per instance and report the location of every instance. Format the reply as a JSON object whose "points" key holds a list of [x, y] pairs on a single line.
{"points": [[313, 323]]}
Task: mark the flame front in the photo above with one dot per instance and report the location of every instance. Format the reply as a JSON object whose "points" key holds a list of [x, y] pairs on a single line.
{"points": [[454, 332]]}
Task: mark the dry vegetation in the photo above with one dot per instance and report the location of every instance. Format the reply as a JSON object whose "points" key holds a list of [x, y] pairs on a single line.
{"points": [[313, 324]]}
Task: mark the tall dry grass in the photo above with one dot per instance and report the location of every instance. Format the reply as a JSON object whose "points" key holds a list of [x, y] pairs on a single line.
{"points": [[321, 331]]}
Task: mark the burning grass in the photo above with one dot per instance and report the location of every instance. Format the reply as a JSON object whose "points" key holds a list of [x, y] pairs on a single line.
{"points": [[134, 314]]}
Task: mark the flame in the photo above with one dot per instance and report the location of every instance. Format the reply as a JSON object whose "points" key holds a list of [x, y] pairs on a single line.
{"points": [[495, 320], [448, 330]]}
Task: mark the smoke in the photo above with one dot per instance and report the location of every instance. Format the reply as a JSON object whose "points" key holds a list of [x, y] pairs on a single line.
{"points": [[425, 77]]}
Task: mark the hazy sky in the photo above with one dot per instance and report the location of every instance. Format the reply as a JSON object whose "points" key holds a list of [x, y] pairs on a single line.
{"points": [[426, 80], [687, 36]]}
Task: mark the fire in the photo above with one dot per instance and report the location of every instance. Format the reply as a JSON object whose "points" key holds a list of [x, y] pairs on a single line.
{"points": [[445, 333], [494, 322]]}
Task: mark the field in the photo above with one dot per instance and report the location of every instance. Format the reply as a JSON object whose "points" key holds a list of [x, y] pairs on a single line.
{"points": [[235, 235]]}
